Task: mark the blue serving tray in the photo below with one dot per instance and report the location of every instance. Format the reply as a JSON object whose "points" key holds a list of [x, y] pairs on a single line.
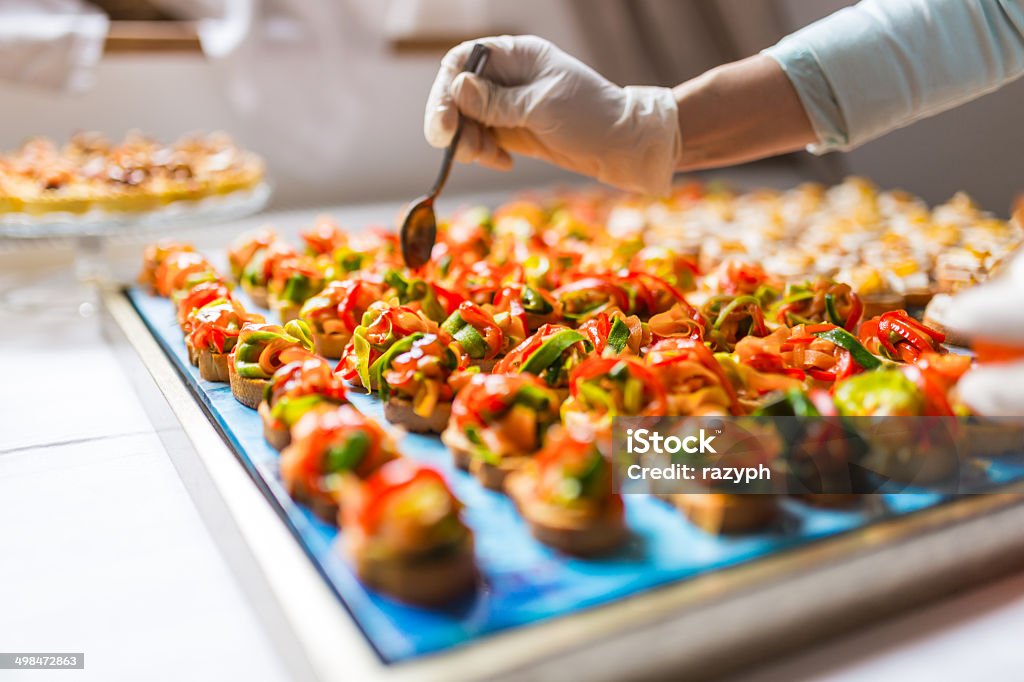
{"points": [[524, 581]]}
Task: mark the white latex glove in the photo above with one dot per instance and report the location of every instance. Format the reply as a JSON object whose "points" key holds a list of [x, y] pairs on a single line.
{"points": [[535, 100], [994, 310]]}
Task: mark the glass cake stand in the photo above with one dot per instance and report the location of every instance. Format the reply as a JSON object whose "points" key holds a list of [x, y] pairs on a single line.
{"points": [[75, 289]]}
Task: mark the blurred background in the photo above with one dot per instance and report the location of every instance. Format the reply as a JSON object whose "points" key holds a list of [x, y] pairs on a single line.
{"points": [[331, 92]]}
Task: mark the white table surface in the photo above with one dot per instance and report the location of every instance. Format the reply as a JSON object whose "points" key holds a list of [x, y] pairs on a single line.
{"points": [[102, 550]]}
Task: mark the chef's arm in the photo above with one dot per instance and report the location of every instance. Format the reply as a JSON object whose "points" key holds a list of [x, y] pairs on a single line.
{"points": [[857, 74], [740, 112]]}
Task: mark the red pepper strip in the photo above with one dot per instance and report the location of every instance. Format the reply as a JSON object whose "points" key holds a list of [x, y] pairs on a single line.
{"points": [[856, 310], [759, 328], [845, 365], [906, 330], [346, 309], [449, 300], [821, 375], [884, 329], [795, 373], [598, 329], [766, 362], [905, 317]]}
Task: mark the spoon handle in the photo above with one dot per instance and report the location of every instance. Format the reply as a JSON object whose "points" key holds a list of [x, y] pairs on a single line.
{"points": [[475, 64]]}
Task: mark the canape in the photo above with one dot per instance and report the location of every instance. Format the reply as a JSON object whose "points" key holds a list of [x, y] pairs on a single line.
{"points": [[725, 514], [728, 318], [551, 353], [616, 333], [382, 326], [213, 333], [182, 270], [292, 282], [257, 355], [430, 299], [498, 423], [817, 301], [565, 495], [154, 256], [328, 445], [604, 388], [258, 272], [476, 333], [695, 383], [198, 296], [245, 247], [335, 312], [303, 384], [405, 537], [413, 377]]}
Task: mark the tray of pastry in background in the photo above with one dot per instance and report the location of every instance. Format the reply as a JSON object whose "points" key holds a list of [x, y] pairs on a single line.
{"points": [[434, 439], [91, 185]]}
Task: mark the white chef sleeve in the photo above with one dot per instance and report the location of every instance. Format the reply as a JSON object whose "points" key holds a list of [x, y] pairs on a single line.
{"points": [[53, 44], [883, 64]]}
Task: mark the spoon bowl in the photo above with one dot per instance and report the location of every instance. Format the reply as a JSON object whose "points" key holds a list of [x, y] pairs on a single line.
{"points": [[419, 232]]}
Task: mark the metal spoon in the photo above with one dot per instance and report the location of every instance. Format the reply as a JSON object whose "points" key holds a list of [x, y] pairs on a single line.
{"points": [[419, 229]]}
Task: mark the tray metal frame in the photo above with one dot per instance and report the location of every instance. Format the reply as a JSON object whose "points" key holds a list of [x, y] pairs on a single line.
{"points": [[711, 624]]}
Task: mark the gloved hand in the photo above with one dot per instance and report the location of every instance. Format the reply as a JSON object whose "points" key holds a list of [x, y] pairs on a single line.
{"points": [[994, 312], [536, 100]]}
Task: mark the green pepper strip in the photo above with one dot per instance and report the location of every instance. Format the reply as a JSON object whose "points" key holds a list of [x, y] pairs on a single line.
{"points": [[535, 303], [347, 457], [847, 341], [534, 398], [830, 308], [733, 304], [466, 334], [793, 403], [618, 336], [551, 350], [376, 372], [300, 331]]}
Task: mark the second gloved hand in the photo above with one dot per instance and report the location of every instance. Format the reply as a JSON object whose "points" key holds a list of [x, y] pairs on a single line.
{"points": [[535, 100], [993, 311]]}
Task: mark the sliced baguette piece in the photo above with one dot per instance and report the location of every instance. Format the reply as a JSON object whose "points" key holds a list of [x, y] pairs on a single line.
{"points": [[327, 511], [722, 514], [494, 476], [286, 310], [993, 438], [459, 446], [399, 411], [259, 296], [573, 532], [214, 366], [193, 353], [434, 579], [279, 438], [330, 345], [247, 391]]}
